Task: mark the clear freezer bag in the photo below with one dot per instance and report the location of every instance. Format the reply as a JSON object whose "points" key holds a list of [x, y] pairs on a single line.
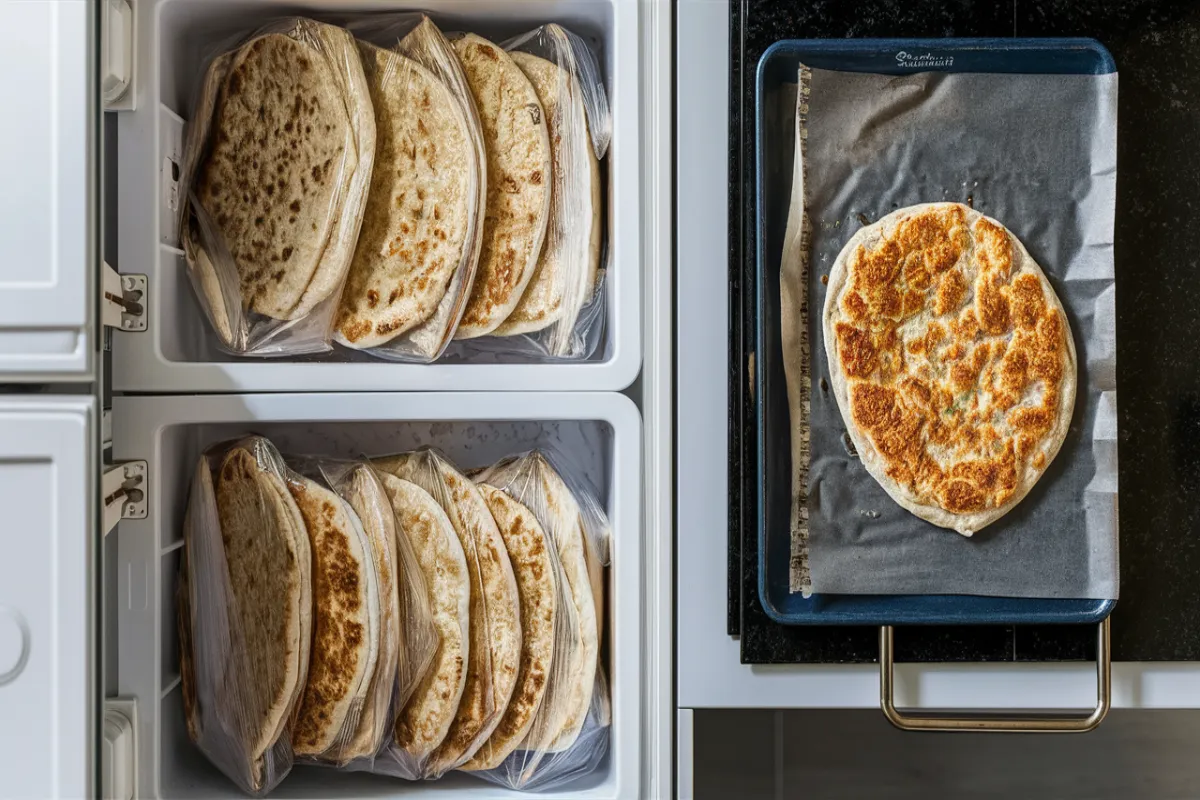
{"points": [[351, 671], [495, 626], [568, 734], [417, 254], [427, 715], [244, 596], [277, 162], [561, 312]]}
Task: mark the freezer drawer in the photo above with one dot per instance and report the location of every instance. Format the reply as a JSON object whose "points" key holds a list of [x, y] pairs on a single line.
{"points": [[47, 201], [47, 597], [177, 352], [601, 431]]}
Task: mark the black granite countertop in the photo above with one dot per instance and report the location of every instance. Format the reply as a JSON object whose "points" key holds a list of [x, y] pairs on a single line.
{"points": [[1156, 45]]}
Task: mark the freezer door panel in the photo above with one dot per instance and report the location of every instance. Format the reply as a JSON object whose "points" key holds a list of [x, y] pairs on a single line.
{"points": [[46, 598], [48, 263]]}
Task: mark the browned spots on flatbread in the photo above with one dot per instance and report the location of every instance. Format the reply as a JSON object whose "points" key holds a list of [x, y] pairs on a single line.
{"points": [[518, 149], [337, 633], [526, 545], [857, 351], [959, 400], [259, 551], [423, 138], [258, 137]]}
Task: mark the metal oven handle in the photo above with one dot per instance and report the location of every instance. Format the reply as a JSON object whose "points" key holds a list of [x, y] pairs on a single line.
{"points": [[1012, 722]]}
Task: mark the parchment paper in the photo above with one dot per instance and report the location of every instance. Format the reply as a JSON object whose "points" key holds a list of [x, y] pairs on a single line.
{"points": [[1037, 153]]}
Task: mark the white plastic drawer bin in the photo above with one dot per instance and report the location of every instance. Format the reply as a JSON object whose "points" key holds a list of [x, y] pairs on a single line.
{"points": [[177, 352], [602, 434]]}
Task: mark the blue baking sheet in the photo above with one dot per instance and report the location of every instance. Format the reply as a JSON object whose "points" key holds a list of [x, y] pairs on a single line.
{"points": [[779, 65]]}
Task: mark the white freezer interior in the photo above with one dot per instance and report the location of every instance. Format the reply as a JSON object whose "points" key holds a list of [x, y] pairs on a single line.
{"points": [[179, 353], [601, 433]]}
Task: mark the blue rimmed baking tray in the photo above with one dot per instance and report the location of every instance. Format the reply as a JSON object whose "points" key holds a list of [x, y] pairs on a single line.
{"points": [[889, 56]]}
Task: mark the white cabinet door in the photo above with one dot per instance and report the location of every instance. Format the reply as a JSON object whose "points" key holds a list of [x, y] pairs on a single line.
{"points": [[47, 591], [47, 235]]}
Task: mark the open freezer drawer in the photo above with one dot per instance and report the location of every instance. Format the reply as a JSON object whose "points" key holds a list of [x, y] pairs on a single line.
{"points": [[602, 432], [177, 351]]}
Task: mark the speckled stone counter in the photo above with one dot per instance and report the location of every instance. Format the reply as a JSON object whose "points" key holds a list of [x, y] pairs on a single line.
{"points": [[1156, 46]]}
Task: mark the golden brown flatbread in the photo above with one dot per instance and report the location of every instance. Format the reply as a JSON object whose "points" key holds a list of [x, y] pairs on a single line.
{"points": [[567, 270], [951, 360], [346, 632], [518, 182], [529, 550], [415, 227]]}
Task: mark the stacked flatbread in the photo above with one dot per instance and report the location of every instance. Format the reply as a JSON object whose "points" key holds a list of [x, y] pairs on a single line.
{"points": [[521, 612], [417, 231], [534, 482], [370, 502], [425, 720], [518, 182], [347, 633], [529, 550], [566, 273], [247, 603], [495, 624], [318, 565], [282, 148]]}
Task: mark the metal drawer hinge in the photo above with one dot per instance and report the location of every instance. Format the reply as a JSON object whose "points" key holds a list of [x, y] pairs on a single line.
{"points": [[124, 302], [124, 491]]}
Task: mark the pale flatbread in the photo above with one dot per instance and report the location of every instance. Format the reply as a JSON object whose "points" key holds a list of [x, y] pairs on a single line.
{"points": [[570, 261], [370, 502], [299, 534], [529, 551], [952, 362], [495, 603], [424, 721], [346, 631], [269, 593], [291, 148], [559, 514], [204, 273], [414, 232], [518, 183]]}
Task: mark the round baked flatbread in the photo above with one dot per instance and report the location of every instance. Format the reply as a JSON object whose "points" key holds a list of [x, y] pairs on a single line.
{"points": [[495, 604], [565, 276], [423, 723], [299, 533], [529, 551], [270, 597], [952, 362], [346, 632], [518, 182], [369, 501], [414, 231], [290, 150], [562, 518]]}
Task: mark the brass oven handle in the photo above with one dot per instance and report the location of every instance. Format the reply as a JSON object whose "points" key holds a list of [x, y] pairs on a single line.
{"points": [[1012, 722]]}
